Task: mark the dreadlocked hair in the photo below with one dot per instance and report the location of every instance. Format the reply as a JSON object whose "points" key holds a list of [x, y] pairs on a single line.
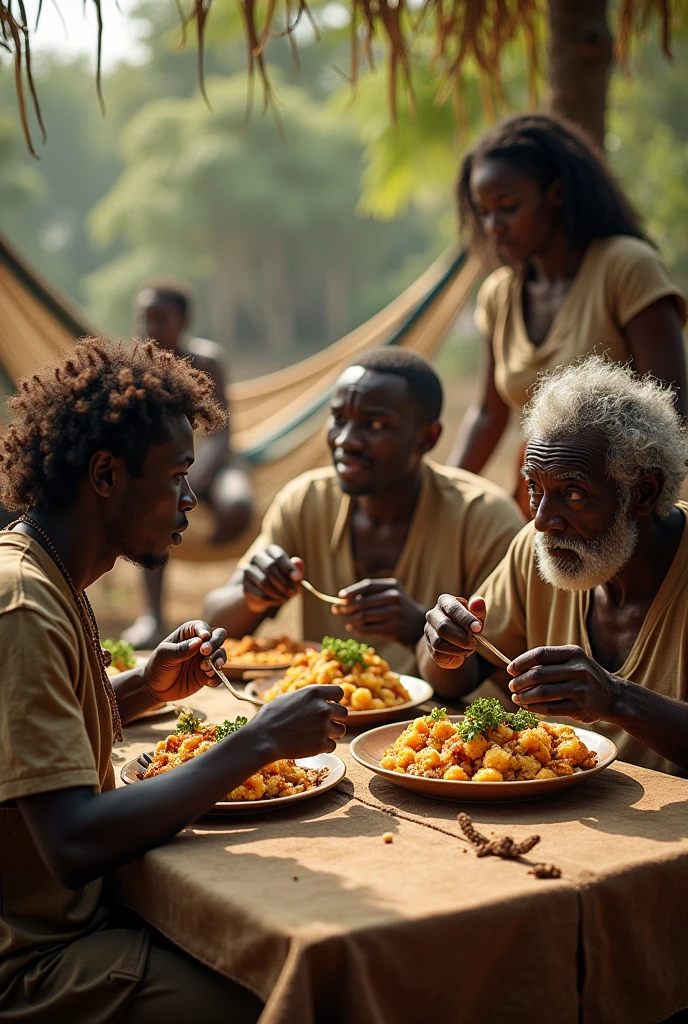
{"points": [[106, 395], [549, 148]]}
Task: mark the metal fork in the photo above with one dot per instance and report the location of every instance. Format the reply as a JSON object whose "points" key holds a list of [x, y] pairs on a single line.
{"points": [[235, 693], [323, 597]]}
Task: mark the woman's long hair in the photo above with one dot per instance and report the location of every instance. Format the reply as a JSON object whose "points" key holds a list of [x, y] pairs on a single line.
{"points": [[550, 148]]}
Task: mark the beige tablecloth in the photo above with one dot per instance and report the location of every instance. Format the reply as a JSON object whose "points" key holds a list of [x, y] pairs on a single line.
{"points": [[311, 910]]}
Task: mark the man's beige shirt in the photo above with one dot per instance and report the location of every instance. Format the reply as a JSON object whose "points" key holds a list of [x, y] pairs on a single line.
{"points": [[618, 278], [55, 733], [461, 528], [524, 612]]}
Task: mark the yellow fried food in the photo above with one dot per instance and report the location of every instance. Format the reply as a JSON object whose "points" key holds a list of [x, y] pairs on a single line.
{"points": [[280, 778], [253, 650], [369, 684], [432, 747]]}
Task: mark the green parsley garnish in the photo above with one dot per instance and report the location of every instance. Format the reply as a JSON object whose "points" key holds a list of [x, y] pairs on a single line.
{"points": [[123, 656], [187, 721], [437, 714], [347, 652], [227, 727], [487, 713]]}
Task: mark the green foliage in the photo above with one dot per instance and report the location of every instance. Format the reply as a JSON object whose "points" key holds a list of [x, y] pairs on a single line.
{"points": [[437, 714], [226, 728], [487, 713], [647, 144], [123, 654], [187, 722], [347, 652]]}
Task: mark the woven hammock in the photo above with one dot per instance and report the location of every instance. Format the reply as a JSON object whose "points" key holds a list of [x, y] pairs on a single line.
{"points": [[277, 419]]}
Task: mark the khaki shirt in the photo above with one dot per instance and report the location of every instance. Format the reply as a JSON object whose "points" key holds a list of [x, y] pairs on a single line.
{"points": [[461, 528], [524, 612], [55, 733], [618, 278]]}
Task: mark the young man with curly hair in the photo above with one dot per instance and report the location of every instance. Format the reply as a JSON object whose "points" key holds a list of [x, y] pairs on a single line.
{"points": [[591, 600], [96, 459]]}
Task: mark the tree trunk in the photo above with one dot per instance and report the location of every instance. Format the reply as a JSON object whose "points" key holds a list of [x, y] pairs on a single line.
{"points": [[579, 62]]}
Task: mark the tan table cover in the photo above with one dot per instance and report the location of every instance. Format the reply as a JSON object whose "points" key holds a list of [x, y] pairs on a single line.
{"points": [[311, 910]]}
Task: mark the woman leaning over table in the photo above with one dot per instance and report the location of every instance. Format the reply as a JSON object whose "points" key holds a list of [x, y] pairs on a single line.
{"points": [[575, 274]]}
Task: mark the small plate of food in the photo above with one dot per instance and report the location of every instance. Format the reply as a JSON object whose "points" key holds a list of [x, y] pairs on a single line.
{"points": [[261, 654], [489, 754], [372, 692], [278, 784]]}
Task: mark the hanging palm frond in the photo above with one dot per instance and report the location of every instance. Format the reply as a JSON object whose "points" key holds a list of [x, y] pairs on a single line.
{"points": [[461, 31]]}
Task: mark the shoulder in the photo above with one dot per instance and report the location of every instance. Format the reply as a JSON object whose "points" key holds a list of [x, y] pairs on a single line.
{"points": [[634, 271], [205, 353], [625, 251], [465, 491], [314, 487], [27, 590], [496, 286]]}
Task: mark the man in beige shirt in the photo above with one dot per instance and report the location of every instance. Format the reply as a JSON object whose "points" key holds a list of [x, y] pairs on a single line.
{"points": [[382, 527], [98, 453], [602, 570]]}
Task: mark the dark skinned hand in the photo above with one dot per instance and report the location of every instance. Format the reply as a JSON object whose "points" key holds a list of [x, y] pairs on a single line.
{"points": [[271, 579], [450, 629], [180, 665], [382, 607], [304, 723], [563, 681]]}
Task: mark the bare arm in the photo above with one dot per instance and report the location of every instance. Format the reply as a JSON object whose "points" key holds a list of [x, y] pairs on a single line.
{"points": [[566, 681], [228, 606], [254, 593], [81, 834], [446, 654], [655, 339], [483, 424]]}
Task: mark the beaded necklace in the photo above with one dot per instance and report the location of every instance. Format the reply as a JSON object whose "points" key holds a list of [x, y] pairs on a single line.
{"points": [[88, 620]]}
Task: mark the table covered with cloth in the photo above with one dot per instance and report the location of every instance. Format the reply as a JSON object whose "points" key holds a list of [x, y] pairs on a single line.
{"points": [[310, 909]]}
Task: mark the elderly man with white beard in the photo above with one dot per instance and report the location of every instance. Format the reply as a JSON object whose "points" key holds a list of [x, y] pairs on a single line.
{"points": [[591, 600]]}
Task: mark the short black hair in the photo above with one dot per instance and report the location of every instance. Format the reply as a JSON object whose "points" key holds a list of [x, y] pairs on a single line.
{"points": [[173, 293], [548, 148], [424, 384]]}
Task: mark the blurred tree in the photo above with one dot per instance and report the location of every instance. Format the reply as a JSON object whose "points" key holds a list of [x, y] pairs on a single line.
{"points": [[266, 230]]}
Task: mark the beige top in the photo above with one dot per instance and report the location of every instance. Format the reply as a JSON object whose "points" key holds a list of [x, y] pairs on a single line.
{"points": [[55, 733], [524, 612], [461, 528], [618, 278]]}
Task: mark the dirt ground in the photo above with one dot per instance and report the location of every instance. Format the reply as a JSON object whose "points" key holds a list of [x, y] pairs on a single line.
{"points": [[117, 597]]}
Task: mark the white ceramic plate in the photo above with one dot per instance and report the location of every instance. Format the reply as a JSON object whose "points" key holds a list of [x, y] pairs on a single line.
{"points": [[368, 748], [235, 669], [336, 770], [419, 692]]}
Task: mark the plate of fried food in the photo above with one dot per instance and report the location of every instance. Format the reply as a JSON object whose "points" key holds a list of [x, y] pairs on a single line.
{"points": [[489, 754], [258, 654], [373, 693], [278, 784]]}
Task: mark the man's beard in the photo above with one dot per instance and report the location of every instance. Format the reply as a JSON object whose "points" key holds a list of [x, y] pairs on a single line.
{"points": [[598, 561], [154, 563]]}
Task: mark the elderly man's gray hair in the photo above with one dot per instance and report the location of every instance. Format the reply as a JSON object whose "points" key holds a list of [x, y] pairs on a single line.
{"points": [[636, 415]]}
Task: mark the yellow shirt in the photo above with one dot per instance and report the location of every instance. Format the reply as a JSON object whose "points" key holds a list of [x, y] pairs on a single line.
{"points": [[461, 527], [55, 733], [618, 278], [524, 612]]}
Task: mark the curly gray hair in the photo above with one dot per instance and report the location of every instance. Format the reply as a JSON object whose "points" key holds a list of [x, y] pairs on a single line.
{"points": [[636, 415]]}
